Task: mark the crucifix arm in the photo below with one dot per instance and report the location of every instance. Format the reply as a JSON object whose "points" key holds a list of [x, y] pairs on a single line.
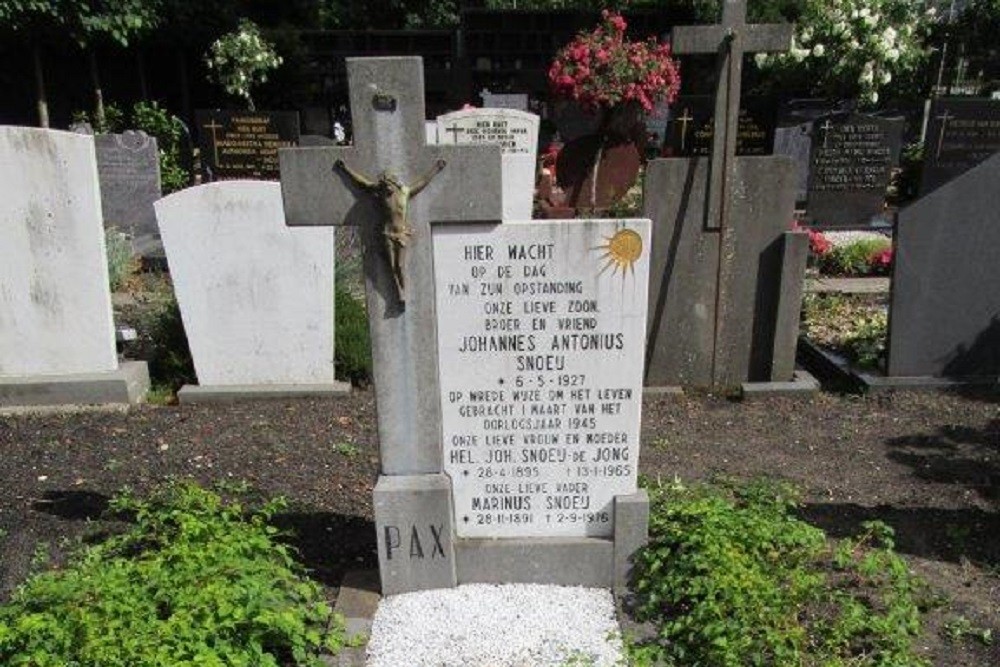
{"points": [[422, 183], [358, 178]]}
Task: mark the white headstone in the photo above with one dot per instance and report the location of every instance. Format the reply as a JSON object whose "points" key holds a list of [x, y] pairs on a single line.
{"points": [[55, 303], [256, 297], [516, 132], [541, 333], [431, 128]]}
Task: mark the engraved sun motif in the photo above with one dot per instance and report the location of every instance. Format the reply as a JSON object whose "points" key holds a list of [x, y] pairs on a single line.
{"points": [[621, 250]]}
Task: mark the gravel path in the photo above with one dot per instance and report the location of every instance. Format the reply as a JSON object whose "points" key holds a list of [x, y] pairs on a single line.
{"points": [[479, 625]]}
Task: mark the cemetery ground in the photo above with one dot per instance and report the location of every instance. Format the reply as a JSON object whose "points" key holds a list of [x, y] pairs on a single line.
{"points": [[926, 464]]}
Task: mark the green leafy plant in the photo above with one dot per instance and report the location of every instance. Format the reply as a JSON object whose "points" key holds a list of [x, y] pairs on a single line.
{"points": [[161, 340], [958, 628], [194, 580], [347, 449], [864, 342], [122, 264], [732, 578], [157, 122], [241, 59], [352, 342]]}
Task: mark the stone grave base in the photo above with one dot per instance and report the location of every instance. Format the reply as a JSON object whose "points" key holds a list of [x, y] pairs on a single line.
{"points": [[128, 384], [192, 393], [418, 550], [836, 372], [802, 385]]}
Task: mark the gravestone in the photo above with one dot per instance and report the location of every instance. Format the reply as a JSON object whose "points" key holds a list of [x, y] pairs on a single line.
{"points": [[309, 140], [244, 144], [57, 339], [516, 132], [849, 168], [961, 133], [417, 544], [725, 274], [541, 329], [128, 166], [793, 137], [516, 101], [691, 130], [256, 297], [944, 319]]}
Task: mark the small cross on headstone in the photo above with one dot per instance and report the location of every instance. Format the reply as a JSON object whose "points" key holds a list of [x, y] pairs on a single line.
{"points": [[944, 118], [684, 120], [213, 126], [731, 40], [826, 127], [455, 130], [387, 108]]}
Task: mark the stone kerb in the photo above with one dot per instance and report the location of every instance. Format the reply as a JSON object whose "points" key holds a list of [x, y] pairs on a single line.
{"points": [[516, 132], [256, 297]]}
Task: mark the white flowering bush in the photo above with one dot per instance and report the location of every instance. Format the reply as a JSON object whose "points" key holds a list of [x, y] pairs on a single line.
{"points": [[853, 48], [241, 59]]}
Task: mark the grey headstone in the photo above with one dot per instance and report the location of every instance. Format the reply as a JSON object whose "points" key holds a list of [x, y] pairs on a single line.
{"points": [[128, 166], [945, 314], [685, 346], [413, 521], [795, 141], [311, 140], [787, 310], [961, 133], [849, 168]]}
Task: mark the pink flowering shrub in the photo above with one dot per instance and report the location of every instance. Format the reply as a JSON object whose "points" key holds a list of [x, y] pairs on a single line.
{"points": [[881, 262], [601, 69]]}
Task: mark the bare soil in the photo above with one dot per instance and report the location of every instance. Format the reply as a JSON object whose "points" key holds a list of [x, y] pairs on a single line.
{"points": [[926, 464]]}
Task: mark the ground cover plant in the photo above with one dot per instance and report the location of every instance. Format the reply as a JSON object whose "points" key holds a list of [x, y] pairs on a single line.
{"points": [[194, 580], [855, 326], [731, 578]]}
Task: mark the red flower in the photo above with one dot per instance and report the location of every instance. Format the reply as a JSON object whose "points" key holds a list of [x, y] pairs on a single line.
{"points": [[601, 69], [881, 261]]}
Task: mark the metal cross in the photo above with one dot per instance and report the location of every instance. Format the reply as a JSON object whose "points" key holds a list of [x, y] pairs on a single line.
{"points": [[213, 126], [387, 109], [455, 130], [826, 127], [944, 118], [684, 120]]}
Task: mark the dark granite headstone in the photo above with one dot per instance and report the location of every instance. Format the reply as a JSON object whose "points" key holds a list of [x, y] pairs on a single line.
{"points": [[850, 167], [128, 167], [753, 338], [690, 130], [961, 133], [945, 314], [793, 136], [244, 144]]}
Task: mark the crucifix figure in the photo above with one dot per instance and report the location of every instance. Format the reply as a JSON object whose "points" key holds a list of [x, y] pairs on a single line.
{"points": [[387, 110], [944, 118], [393, 197], [730, 40]]}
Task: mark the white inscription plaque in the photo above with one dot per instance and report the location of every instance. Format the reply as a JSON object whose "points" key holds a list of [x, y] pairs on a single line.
{"points": [[541, 332]]}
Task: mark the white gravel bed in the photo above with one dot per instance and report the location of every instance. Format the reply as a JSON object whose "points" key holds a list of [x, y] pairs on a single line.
{"points": [[480, 625], [839, 239]]}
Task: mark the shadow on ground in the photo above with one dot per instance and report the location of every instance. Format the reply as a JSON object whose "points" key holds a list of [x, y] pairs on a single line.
{"points": [[330, 545], [954, 455], [937, 534]]}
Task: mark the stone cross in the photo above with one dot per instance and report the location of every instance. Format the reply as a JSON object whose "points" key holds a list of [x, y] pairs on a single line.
{"points": [[387, 108], [730, 40]]}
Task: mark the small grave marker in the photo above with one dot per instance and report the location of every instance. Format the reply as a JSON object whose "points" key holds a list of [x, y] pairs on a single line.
{"points": [[128, 166], [850, 167], [244, 144], [691, 133], [961, 133], [516, 132]]}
